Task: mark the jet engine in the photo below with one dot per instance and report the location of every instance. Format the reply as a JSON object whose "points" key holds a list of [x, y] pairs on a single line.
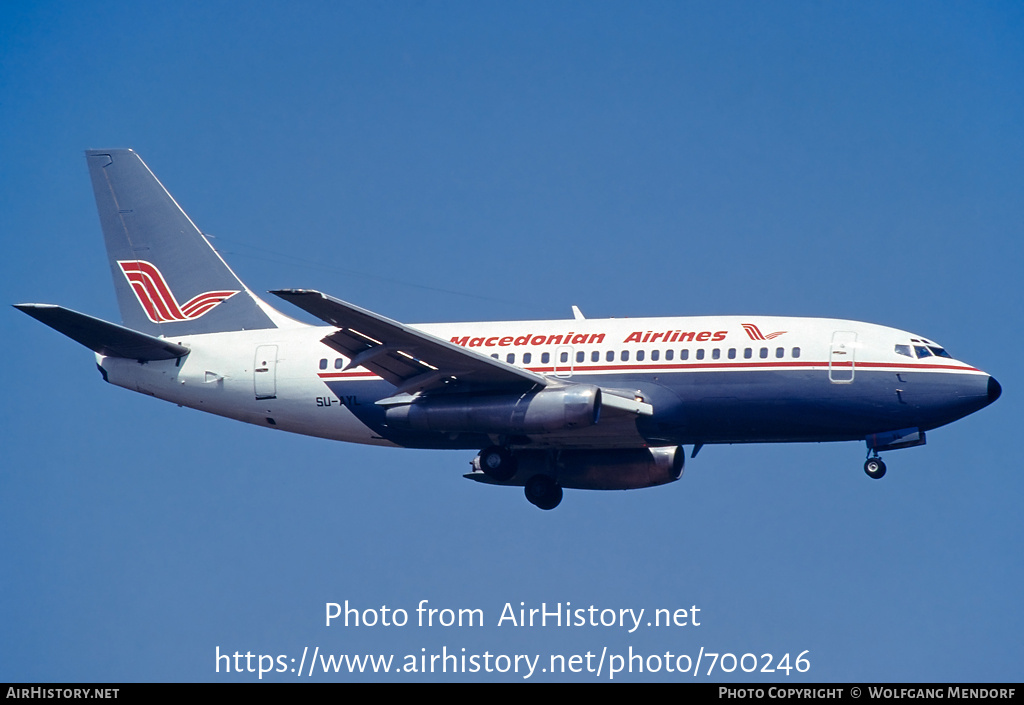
{"points": [[619, 469], [545, 411], [608, 469]]}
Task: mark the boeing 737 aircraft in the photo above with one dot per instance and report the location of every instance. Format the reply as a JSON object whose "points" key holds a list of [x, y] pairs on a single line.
{"points": [[578, 403]]}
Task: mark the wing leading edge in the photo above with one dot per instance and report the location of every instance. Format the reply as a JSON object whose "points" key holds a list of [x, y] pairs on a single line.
{"points": [[420, 363], [410, 359]]}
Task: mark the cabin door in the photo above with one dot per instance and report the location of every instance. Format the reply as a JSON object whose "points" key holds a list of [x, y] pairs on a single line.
{"points": [[264, 374], [842, 356]]}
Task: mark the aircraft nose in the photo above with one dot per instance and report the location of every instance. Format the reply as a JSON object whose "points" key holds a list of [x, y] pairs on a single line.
{"points": [[994, 389]]}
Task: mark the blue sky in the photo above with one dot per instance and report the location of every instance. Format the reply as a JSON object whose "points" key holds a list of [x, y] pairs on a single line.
{"points": [[475, 161]]}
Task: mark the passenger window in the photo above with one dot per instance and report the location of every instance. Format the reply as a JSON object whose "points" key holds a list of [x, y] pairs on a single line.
{"points": [[564, 357], [580, 356], [655, 355], [545, 358], [747, 353], [510, 358], [764, 353], [684, 354], [339, 363], [669, 354], [495, 356], [323, 364], [779, 352], [526, 358], [639, 355], [610, 356], [624, 356], [732, 353], [700, 354], [796, 352], [716, 353], [595, 356]]}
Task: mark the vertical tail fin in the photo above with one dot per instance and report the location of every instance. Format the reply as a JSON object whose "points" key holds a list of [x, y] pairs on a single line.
{"points": [[169, 280]]}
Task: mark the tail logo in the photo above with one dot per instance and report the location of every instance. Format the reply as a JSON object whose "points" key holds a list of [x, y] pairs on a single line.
{"points": [[755, 333], [156, 298]]}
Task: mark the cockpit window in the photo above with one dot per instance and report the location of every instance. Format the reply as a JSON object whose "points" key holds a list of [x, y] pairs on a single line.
{"points": [[923, 350]]}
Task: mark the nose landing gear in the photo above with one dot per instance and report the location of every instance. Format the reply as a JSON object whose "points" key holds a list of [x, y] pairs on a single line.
{"points": [[875, 468]]}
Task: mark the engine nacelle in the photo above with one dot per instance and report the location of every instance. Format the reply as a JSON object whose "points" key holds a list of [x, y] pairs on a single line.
{"points": [[546, 411], [614, 469], [620, 469]]}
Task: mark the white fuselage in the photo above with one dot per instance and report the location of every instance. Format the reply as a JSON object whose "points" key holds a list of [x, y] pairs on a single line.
{"points": [[687, 368]]}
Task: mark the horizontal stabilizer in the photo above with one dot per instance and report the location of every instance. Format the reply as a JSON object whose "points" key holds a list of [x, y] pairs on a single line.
{"points": [[101, 336]]}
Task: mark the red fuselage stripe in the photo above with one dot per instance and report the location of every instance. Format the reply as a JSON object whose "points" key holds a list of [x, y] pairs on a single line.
{"points": [[583, 369]]}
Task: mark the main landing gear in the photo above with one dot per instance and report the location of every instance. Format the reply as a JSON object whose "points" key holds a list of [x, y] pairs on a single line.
{"points": [[875, 468], [500, 465], [543, 492]]}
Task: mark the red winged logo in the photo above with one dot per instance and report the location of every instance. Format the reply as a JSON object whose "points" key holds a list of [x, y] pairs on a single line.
{"points": [[755, 333], [156, 298]]}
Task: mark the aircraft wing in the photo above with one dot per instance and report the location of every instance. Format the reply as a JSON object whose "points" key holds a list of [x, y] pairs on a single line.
{"points": [[410, 359]]}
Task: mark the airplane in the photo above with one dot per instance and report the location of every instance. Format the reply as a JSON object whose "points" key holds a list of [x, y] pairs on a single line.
{"points": [[581, 403]]}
